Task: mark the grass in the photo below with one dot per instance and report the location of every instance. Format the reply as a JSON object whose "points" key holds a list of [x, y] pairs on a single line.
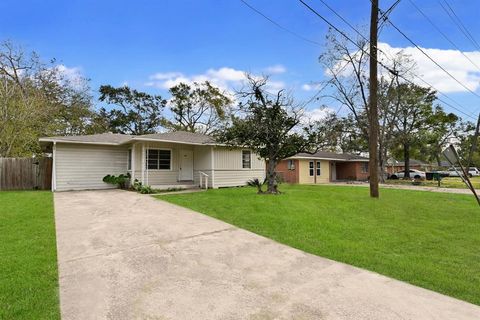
{"points": [[447, 182], [28, 263], [428, 239]]}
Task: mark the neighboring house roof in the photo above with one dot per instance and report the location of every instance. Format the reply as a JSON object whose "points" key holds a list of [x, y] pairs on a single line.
{"points": [[326, 155], [413, 162], [118, 139]]}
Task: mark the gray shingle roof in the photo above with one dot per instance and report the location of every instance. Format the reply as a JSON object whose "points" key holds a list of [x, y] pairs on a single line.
{"points": [[103, 138], [331, 155], [179, 136], [115, 138]]}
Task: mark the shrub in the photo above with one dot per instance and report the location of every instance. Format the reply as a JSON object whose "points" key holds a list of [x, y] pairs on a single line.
{"points": [[146, 190], [257, 184], [121, 180]]}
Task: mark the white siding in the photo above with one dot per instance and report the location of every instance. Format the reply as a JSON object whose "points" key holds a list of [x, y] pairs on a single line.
{"points": [[202, 162], [229, 171], [81, 167]]}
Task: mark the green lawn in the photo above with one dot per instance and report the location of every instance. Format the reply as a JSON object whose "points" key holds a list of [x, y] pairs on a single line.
{"points": [[428, 239], [28, 256], [447, 182]]}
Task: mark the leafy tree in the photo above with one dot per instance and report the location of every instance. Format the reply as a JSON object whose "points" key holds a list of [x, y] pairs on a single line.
{"points": [[465, 138], [37, 99], [270, 126], [444, 127], [200, 107], [415, 118], [136, 112]]}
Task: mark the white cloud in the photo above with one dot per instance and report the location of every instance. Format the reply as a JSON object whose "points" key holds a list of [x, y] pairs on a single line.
{"points": [[318, 113], [275, 85], [275, 69], [453, 61], [73, 75], [310, 86], [223, 77]]}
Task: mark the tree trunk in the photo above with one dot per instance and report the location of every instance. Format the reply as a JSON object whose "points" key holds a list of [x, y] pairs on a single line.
{"points": [[437, 157], [382, 158], [406, 159], [272, 177]]}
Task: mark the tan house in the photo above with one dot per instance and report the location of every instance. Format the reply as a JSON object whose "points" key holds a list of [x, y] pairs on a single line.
{"points": [[163, 160], [323, 167]]}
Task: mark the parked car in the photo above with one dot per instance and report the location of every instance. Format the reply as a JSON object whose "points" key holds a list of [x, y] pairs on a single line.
{"points": [[456, 172], [414, 174]]}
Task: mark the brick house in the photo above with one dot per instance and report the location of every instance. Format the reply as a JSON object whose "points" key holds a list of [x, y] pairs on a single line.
{"points": [[323, 167]]}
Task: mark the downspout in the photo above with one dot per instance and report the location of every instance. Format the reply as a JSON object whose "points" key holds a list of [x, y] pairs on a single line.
{"points": [[54, 167]]}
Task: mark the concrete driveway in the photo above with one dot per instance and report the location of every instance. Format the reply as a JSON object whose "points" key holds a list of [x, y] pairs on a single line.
{"points": [[127, 256]]}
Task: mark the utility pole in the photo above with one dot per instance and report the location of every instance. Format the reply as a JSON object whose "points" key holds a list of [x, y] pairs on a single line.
{"points": [[373, 108]]}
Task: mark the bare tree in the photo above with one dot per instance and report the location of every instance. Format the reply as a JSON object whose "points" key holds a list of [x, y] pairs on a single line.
{"points": [[347, 68]]}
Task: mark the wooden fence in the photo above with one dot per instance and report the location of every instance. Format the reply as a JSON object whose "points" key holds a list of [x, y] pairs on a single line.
{"points": [[25, 173]]}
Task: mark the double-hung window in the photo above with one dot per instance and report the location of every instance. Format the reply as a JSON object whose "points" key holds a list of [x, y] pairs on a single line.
{"points": [[246, 159], [364, 168], [291, 165], [159, 159], [311, 169], [318, 168]]}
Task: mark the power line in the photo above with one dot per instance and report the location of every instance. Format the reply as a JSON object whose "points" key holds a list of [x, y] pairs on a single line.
{"points": [[384, 15], [380, 63], [431, 59], [442, 33], [458, 22], [299, 36]]}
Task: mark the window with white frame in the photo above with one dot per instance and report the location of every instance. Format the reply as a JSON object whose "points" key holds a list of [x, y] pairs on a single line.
{"points": [[246, 159], [291, 165], [312, 169], [319, 171], [129, 160], [159, 159]]}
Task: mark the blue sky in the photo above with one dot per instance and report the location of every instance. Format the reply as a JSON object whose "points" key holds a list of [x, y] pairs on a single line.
{"points": [[149, 44]]}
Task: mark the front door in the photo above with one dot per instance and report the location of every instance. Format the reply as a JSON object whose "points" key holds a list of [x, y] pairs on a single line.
{"points": [[186, 165]]}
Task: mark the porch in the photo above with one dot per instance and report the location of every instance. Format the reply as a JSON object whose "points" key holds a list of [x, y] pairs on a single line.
{"points": [[164, 165]]}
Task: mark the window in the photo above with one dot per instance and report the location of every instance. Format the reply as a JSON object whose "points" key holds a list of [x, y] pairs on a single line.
{"points": [[364, 167], [291, 165], [129, 160], [312, 171], [318, 168], [246, 159], [159, 159]]}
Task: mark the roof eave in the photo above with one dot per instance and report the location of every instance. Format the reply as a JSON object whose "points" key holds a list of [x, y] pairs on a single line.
{"points": [[172, 141], [79, 142]]}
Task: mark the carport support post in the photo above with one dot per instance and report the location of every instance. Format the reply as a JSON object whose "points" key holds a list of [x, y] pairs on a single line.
{"points": [[54, 166], [132, 165], [143, 163]]}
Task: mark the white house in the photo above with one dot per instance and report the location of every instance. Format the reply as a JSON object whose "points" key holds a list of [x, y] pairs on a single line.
{"points": [[161, 160]]}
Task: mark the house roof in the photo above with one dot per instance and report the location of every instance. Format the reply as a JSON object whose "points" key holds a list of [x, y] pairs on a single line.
{"points": [[119, 139], [103, 138], [178, 137], [326, 155]]}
